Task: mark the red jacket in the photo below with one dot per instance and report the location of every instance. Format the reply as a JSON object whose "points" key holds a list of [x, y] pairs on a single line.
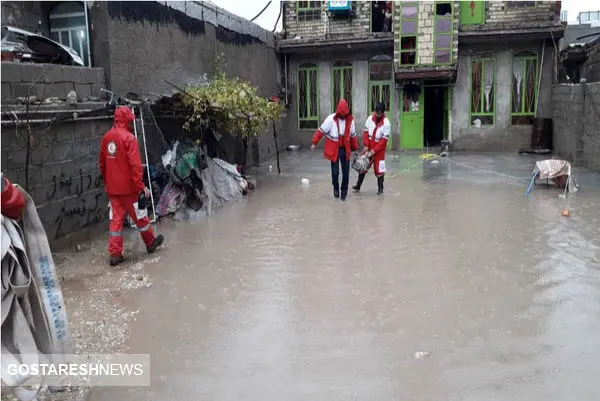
{"points": [[120, 160], [376, 135], [331, 130], [13, 201]]}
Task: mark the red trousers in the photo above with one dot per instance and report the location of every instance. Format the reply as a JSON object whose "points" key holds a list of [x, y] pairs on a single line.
{"points": [[122, 206]]}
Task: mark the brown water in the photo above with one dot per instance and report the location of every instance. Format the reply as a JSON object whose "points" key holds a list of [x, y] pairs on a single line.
{"points": [[292, 295]]}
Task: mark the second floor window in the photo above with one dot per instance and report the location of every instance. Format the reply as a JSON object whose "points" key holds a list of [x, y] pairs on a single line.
{"points": [[443, 33], [308, 10], [408, 33]]}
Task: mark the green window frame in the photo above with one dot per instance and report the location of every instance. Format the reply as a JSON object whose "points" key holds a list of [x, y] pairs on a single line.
{"points": [[483, 91], [308, 96], [408, 33], [308, 10], [525, 74], [341, 84], [472, 12], [443, 29]]}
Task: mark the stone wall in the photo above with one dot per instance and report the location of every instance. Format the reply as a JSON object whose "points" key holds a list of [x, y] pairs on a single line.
{"points": [[500, 16], [576, 117], [328, 27], [426, 34]]}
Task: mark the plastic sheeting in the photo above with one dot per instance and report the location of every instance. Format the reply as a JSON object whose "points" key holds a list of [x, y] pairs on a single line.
{"points": [[222, 184]]}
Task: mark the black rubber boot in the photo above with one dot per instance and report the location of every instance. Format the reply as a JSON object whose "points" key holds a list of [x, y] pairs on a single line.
{"points": [[155, 244], [361, 178], [336, 193], [115, 260], [380, 185]]}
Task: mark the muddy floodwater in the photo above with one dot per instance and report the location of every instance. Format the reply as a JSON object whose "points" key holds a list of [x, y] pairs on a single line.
{"points": [[451, 286]]}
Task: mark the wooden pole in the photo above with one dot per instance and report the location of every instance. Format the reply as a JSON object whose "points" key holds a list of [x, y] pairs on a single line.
{"points": [[276, 147]]}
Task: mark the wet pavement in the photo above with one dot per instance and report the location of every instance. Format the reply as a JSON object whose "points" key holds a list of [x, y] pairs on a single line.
{"points": [[452, 286]]}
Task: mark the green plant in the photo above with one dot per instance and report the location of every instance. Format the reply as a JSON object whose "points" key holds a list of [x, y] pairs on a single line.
{"points": [[233, 105]]}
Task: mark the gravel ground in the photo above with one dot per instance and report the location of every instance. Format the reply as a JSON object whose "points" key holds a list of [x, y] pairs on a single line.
{"points": [[97, 300]]}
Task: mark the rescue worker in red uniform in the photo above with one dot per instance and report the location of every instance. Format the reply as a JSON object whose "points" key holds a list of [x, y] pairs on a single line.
{"points": [[121, 168], [13, 201], [375, 138], [340, 141]]}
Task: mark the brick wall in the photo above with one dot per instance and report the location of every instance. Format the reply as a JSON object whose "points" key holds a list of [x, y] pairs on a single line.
{"points": [[328, 27], [426, 34], [576, 116], [500, 16], [591, 68]]}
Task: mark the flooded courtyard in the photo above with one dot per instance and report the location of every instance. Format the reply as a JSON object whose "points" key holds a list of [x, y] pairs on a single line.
{"points": [[451, 286]]}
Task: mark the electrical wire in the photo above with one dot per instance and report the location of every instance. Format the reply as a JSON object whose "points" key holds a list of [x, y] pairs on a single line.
{"points": [[261, 11], [278, 17]]}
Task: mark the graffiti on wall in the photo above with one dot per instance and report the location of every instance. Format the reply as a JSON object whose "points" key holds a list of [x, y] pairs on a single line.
{"points": [[87, 211], [73, 186]]}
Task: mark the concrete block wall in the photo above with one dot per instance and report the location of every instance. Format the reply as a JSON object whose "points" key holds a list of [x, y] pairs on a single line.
{"points": [[591, 68], [49, 80], [501, 16], [328, 27], [64, 180], [576, 117]]}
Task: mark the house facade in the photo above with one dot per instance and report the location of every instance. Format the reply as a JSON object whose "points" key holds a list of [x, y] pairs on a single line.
{"points": [[476, 73]]}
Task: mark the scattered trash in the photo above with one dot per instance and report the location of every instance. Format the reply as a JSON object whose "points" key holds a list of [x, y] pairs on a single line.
{"points": [[566, 213], [422, 354], [72, 97], [435, 162], [270, 168], [305, 181], [293, 148]]}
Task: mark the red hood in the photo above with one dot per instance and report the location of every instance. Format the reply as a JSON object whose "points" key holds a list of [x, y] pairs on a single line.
{"points": [[342, 109], [123, 117]]}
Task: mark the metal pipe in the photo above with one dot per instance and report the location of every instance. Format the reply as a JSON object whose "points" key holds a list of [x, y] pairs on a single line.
{"points": [[287, 97], [147, 164], [49, 120], [87, 33], [537, 100], [47, 111]]}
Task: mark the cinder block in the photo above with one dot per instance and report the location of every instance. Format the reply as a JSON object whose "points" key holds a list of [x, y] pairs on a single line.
{"points": [[83, 90], [11, 72], [52, 72], [95, 90], [6, 90], [87, 75]]}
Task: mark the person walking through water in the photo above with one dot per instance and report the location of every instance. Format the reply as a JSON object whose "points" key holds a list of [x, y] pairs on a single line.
{"points": [[375, 138], [121, 168], [340, 141]]}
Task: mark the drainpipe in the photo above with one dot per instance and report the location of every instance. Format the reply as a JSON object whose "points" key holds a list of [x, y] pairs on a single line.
{"points": [[285, 78], [87, 34], [539, 83]]}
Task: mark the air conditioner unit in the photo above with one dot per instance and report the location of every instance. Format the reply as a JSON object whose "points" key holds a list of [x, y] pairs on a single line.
{"points": [[339, 6]]}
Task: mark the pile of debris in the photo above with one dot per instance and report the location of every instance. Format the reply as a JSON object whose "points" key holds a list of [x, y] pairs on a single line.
{"points": [[190, 184]]}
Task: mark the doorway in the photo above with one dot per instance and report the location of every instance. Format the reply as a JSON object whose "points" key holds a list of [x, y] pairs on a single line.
{"points": [[435, 127], [380, 88]]}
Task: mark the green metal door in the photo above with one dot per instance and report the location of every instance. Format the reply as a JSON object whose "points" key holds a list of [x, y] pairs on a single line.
{"points": [[382, 92], [411, 130]]}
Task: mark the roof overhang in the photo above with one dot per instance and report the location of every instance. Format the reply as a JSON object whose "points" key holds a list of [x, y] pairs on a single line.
{"points": [[300, 46], [486, 36], [449, 74]]}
